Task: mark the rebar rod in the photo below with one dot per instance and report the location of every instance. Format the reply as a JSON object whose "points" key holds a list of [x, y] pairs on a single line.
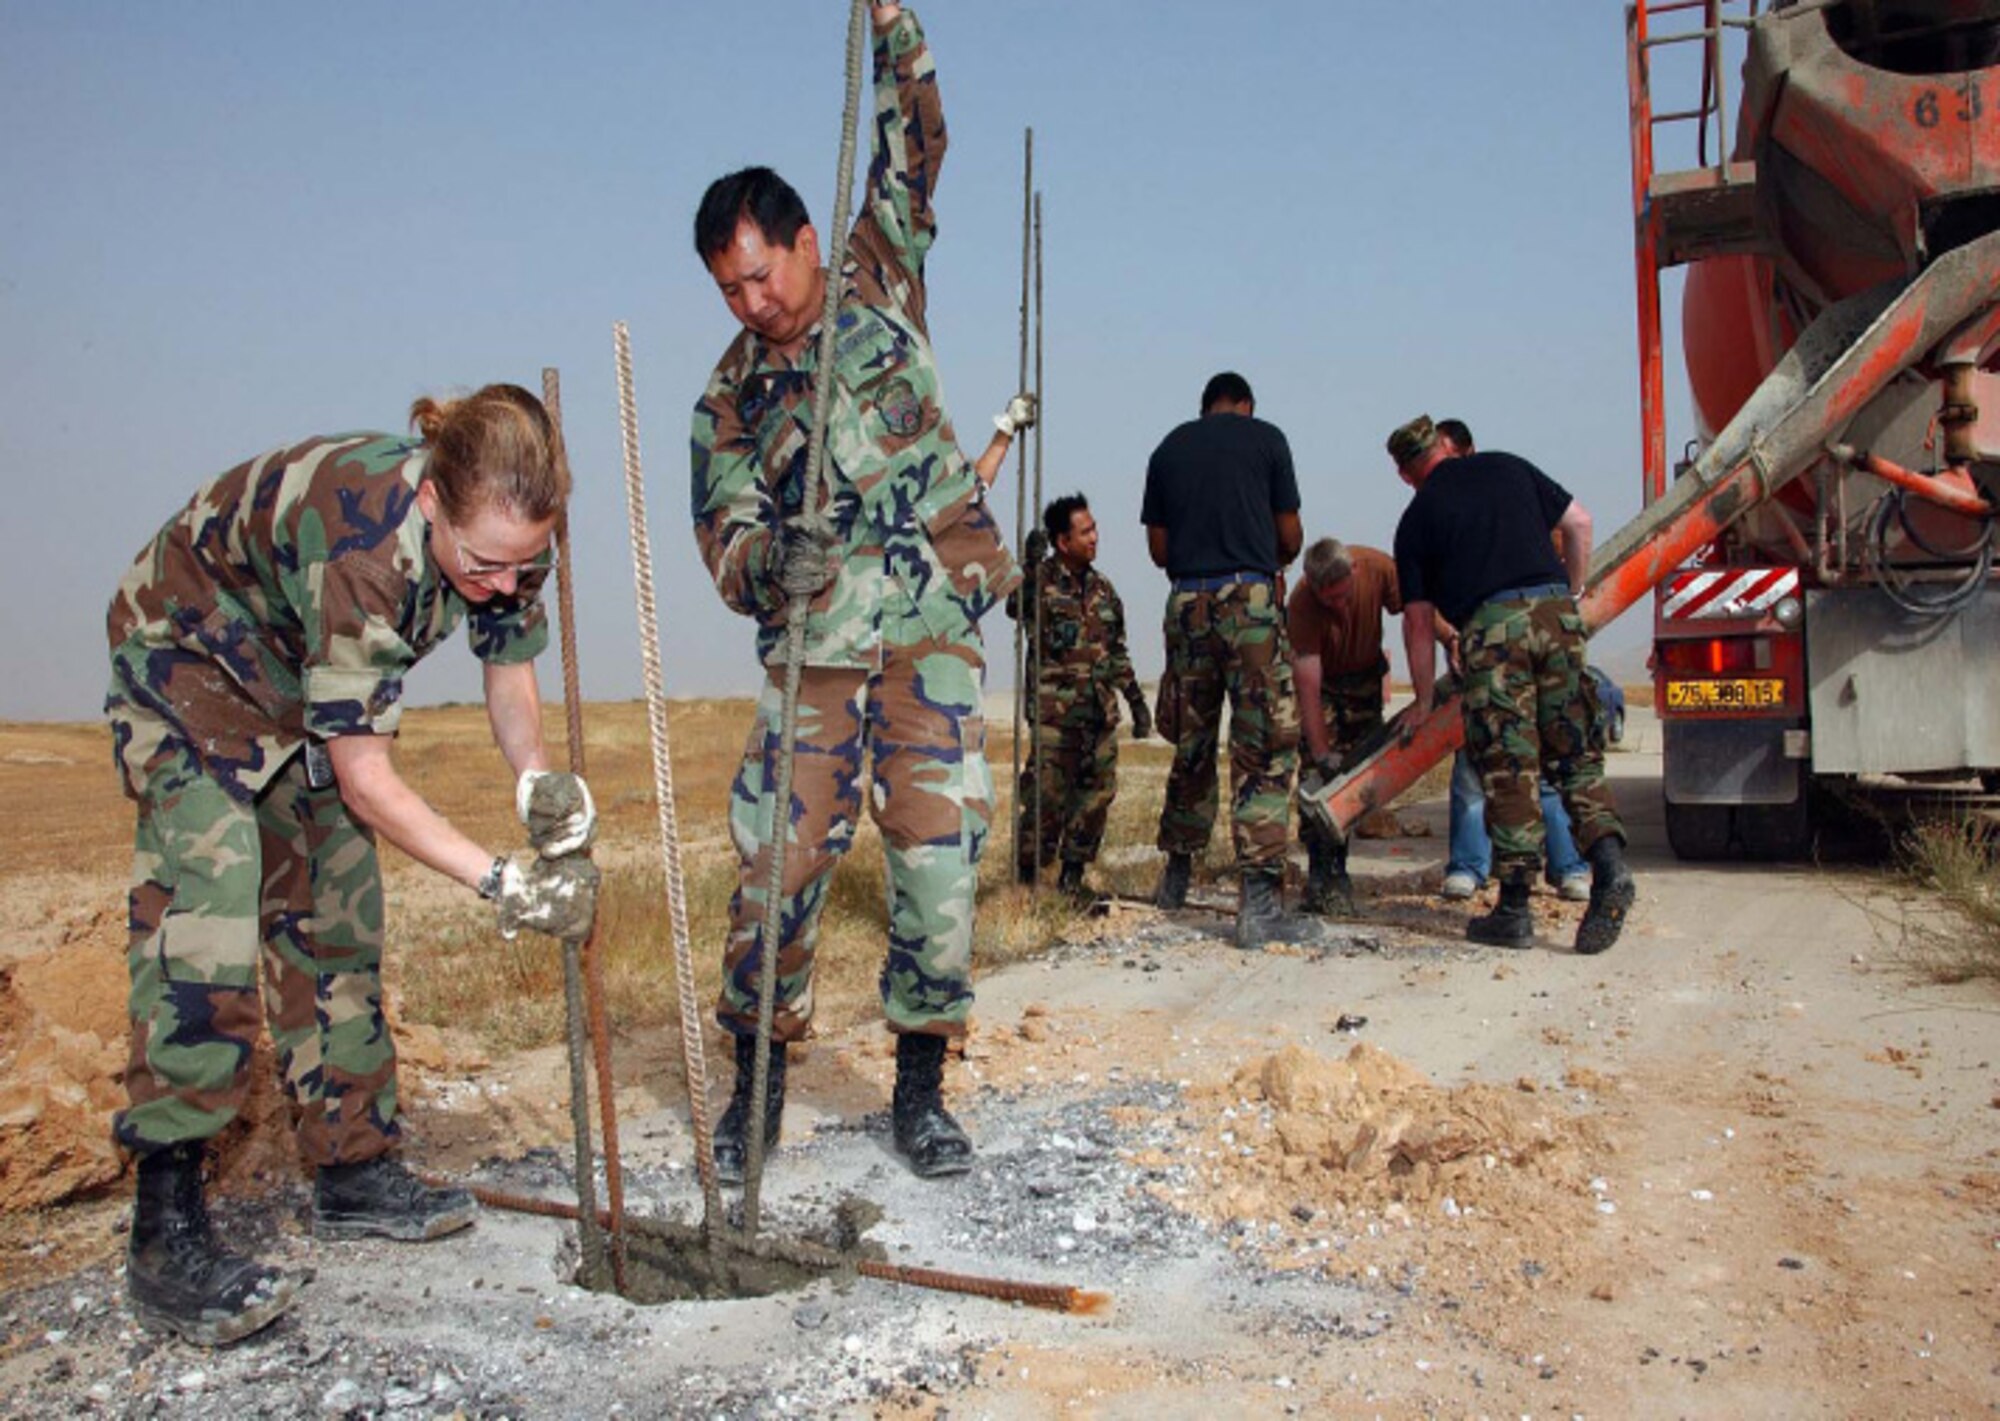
{"points": [[1056, 1297], [589, 1236], [693, 1057], [1029, 586], [771, 921], [1035, 653], [593, 960]]}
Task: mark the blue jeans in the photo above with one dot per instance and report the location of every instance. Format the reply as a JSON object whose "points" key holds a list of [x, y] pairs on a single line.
{"points": [[1472, 851]]}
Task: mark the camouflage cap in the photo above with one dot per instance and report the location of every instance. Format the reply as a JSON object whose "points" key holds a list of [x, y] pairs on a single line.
{"points": [[1410, 440]]}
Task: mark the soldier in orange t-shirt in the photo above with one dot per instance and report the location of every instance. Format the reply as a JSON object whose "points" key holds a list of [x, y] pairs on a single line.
{"points": [[1334, 619]]}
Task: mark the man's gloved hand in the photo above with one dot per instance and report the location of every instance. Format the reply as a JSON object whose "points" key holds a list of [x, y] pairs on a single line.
{"points": [[553, 896], [1019, 415], [1142, 719], [558, 810], [1036, 547], [1313, 816], [805, 562]]}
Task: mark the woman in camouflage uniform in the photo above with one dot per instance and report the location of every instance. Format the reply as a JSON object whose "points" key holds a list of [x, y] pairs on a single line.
{"points": [[258, 649]]}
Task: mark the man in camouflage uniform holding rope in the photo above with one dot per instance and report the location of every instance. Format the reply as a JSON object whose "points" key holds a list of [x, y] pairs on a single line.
{"points": [[1474, 546], [1081, 669], [894, 664]]}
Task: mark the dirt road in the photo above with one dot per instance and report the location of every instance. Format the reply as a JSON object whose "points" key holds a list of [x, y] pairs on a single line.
{"points": [[1741, 1165]]}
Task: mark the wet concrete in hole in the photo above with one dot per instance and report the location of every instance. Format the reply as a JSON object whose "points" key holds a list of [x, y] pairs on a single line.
{"points": [[671, 1262]]}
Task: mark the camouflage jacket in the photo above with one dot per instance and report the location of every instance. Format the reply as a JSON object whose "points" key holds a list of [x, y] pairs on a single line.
{"points": [[1082, 666], [289, 598], [903, 502]]}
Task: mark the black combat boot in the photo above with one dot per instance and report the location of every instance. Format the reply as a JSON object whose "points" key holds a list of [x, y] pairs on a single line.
{"points": [[178, 1277], [926, 1134], [1329, 891], [1070, 882], [732, 1134], [381, 1198], [1172, 892], [1511, 923], [1024, 873], [1260, 913], [1612, 893]]}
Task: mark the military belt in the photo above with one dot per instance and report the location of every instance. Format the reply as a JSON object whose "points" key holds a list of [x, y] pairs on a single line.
{"points": [[1527, 593]]}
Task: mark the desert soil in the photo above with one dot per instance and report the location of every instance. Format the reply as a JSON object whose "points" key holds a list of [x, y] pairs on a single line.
{"points": [[1745, 1164]]}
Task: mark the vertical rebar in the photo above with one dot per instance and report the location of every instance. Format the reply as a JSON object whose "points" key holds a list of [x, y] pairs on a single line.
{"points": [[589, 1236], [693, 1059], [771, 921], [1035, 651], [1022, 689], [593, 961]]}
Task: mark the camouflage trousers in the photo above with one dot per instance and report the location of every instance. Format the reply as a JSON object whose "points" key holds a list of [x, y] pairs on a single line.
{"points": [[915, 722], [1065, 795], [1229, 643], [1352, 705], [1531, 712], [283, 893]]}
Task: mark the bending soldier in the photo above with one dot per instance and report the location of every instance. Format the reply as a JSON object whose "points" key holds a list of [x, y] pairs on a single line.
{"points": [[1475, 545], [258, 650], [894, 662], [1080, 670], [1334, 618]]}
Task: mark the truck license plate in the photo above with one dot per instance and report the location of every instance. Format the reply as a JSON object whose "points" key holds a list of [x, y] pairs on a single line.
{"points": [[1725, 695]]}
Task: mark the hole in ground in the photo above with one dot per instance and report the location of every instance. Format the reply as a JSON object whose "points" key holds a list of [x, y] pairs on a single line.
{"points": [[669, 1262]]}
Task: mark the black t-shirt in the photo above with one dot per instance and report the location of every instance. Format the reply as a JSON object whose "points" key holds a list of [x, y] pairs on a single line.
{"points": [[1479, 525], [1214, 484]]}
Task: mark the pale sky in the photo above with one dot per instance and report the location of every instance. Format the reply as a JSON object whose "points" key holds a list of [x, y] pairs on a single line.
{"points": [[231, 226]]}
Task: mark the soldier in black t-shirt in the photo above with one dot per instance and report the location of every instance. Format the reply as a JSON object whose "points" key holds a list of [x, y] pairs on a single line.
{"points": [[1475, 544], [1222, 517]]}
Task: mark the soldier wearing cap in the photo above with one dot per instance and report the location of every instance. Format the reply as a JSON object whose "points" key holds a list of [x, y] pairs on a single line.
{"points": [[1221, 511], [1474, 545]]}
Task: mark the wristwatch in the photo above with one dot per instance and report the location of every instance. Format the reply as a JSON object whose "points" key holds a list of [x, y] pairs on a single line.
{"points": [[489, 881]]}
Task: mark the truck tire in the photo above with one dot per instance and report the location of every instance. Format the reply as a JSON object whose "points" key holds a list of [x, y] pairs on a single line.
{"points": [[1699, 833], [1775, 833]]}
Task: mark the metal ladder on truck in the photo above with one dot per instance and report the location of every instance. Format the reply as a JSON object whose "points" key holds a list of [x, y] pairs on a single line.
{"points": [[1947, 315]]}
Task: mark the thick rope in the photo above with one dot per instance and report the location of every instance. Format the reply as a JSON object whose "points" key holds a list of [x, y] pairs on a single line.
{"points": [[693, 1058], [1035, 656], [593, 960], [1023, 688], [812, 521]]}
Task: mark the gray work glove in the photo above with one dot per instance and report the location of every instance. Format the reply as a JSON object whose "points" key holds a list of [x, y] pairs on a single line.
{"points": [[557, 808], [1036, 547], [1020, 414], [805, 562], [553, 896]]}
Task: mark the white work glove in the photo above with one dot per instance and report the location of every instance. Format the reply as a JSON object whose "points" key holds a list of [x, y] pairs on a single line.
{"points": [[1019, 415], [553, 896], [557, 808]]}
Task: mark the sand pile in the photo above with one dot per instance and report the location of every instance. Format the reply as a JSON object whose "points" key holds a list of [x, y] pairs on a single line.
{"points": [[1364, 1159], [62, 1047]]}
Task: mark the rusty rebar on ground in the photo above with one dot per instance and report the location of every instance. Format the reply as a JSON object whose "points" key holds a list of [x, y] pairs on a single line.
{"points": [[593, 961], [1054, 1297]]}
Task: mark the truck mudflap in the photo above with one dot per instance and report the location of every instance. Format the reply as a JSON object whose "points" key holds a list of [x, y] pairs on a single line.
{"points": [[1843, 360]]}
